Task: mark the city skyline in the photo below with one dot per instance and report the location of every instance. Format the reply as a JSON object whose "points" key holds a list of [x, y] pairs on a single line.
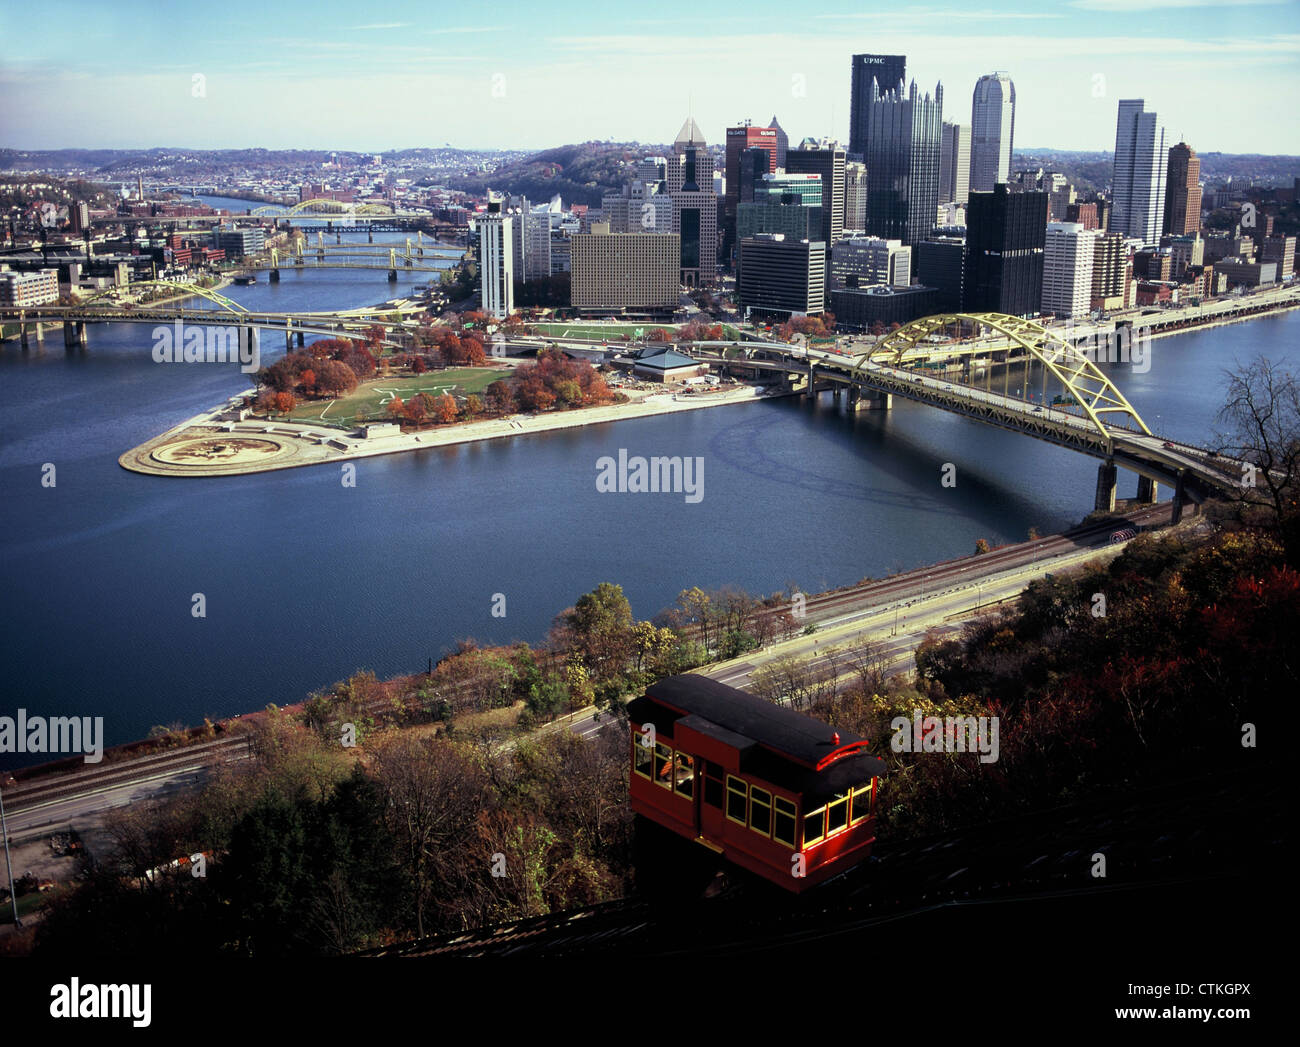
{"points": [[524, 80]]}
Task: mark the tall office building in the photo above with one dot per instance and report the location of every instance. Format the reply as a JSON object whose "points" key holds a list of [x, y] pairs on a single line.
{"points": [[993, 126], [868, 261], [954, 164], [496, 260], [637, 208], [739, 139], [1138, 185], [1182, 191], [806, 186], [872, 76], [779, 277], [855, 197], [1006, 234], [938, 263], [1112, 272], [695, 205], [827, 160], [782, 142], [903, 163], [754, 164], [1067, 269]]}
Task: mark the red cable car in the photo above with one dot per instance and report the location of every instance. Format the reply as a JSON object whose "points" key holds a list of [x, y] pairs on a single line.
{"points": [[776, 792]]}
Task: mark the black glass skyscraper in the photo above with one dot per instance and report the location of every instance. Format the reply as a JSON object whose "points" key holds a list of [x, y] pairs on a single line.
{"points": [[1006, 234], [888, 71], [903, 147]]}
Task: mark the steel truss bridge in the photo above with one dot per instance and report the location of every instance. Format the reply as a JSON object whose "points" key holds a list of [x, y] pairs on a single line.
{"points": [[1093, 415], [411, 258], [398, 324]]}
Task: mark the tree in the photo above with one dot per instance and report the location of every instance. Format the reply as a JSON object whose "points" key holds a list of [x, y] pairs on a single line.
{"points": [[308, 379], [981, 546], [396, 408], [335, 379], [444, 409], [600, 629], [473, 406], [500, 398], [285, 402], [415, 410], [418, 366]]}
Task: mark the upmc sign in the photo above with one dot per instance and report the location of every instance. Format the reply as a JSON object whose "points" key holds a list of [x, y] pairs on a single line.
{"points": [[872, 60]]}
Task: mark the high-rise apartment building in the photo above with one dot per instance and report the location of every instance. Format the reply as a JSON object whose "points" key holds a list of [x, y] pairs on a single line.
{"points": [[954, 163], [1067, 269], [903, 164], [1182, 191], [872, 76], [624, 272], [993, 129], [496, 260], [1138, 185], [1005, 237]]}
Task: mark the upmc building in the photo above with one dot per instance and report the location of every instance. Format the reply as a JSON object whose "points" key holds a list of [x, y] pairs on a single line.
{"points": [[888, 71]]}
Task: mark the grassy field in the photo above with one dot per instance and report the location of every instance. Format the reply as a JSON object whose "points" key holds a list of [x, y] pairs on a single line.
{"points": [[610, 331], [370, 398]]}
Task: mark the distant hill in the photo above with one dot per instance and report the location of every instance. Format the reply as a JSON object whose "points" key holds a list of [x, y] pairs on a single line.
{"points": [[1093, 170], [581, 173]]}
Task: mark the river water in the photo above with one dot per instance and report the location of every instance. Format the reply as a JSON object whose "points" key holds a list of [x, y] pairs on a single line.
{"points": [[306, 580]]}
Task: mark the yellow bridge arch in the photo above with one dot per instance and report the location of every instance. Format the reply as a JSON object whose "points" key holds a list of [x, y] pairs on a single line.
{"points": [[323, 206], [1091, 389]]}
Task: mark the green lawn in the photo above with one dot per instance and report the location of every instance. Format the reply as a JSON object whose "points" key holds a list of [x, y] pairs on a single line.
{"points": [[598, 331], [371, 397]]}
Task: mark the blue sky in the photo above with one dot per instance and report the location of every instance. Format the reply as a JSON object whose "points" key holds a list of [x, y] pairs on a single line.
{"points": [[1225, 76]]}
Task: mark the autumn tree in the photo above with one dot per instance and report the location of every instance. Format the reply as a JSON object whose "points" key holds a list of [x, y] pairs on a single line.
{"points": [[500, 398], [285, 402], [444, 409]]}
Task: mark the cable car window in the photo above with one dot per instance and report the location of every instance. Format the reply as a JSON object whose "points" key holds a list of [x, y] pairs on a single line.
{"points": [[861, 803], [713, 785], [684, 775], [783, 822], [837, 814], [760, 810], [737, 794], [814, 826], [663, 760], [642, 758]]}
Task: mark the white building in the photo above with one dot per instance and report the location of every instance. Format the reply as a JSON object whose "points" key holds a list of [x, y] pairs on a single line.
{"points": [[496, 261], [866, 261], [993, 126], [1067, 268], [24, 289], [855, 197], [954, 164], [1138, 187]]}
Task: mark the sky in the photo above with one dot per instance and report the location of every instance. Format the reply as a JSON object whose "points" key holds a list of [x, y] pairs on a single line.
{"points": [[1223, 76]]}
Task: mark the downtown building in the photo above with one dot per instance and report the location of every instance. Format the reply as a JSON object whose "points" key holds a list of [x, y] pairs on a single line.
{"points": [[993, 126], [903, 164], [1138, 184], [1182, 191], [866, 261], [632, 273], [1067, 269], [940, 263], [954, 164], [19, 290], [872, 76], [496, 260], [855, 197], [1113, 286], [780, 277], [695, 205], [739, 140], [1006, 234]]}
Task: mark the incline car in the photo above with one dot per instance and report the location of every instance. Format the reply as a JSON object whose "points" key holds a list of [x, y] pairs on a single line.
{"points": [[773, 791]]}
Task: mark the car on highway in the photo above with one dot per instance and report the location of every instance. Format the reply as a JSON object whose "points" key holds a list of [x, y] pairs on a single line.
{"points": [[1168, 446]]}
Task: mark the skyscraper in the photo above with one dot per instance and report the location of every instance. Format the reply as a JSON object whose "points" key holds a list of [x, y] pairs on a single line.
{"points": [[1006, 234], [903, 163], [496, 260], [1183, 191], [782, 142], [954, 164], [1067, 269], [740, 138], [993, 126], [884, 70], [1138, 186], [855, 197], [827, 160], [695, 205]]}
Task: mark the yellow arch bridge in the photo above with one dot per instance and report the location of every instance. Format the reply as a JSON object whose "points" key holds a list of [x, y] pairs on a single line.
{"points": [[921, 361]]}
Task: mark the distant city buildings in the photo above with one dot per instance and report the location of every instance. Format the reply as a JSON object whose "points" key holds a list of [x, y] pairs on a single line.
{"points": [[993, 125], [240, 241], [1138, 185]]}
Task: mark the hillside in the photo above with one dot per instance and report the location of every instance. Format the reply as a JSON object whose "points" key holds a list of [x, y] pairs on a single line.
{"points": [[581, 173]]}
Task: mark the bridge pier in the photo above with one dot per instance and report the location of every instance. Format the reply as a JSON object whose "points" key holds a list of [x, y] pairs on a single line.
{"points": [[1180, 498], [338, 237], [1148, 491], [370, 234], [274, 276], [302, 340], [1105, 487], [861, 401], [22, 334], [811, 391], [392, 276]]}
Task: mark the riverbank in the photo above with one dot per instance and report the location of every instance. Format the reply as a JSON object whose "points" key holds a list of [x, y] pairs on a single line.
{"points": [[212, 445]]}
